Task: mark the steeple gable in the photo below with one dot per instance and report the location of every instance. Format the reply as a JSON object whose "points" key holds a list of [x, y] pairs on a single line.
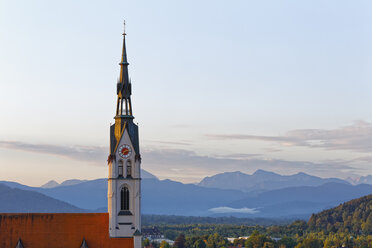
{"points": [[19, 244], [84, 244]]}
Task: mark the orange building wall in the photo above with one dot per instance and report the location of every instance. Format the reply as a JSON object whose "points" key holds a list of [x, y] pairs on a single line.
{"points": [[58, 231]]}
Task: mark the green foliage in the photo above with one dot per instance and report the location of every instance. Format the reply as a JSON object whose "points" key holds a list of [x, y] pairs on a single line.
{"points": [[199, 243], [257, 240], [286, 242], [310, 242], [170, 234], [150, 220], [348, 225], [225, 230], [154, 244], [164, 244], [216, 241], [180, 241], [146, 243], [354, 217]]}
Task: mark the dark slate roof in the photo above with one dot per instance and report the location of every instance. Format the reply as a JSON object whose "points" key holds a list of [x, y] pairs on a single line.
{"points": [[151, 231], [19, 244], [137, 233], [84, 244], [133, 134]]}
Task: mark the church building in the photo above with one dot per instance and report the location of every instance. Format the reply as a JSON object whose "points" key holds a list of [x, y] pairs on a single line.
{"points": [[121, 226]]}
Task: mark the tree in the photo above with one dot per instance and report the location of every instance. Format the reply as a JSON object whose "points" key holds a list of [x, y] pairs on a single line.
{"points": [[286, 242], [146, 243], [367, 226], [216, 241], [310, 242], [170, 234], [200, 244], [180, 241], [154, 244], [256, 240], [239, 242], [268, 245], [164, 244]]}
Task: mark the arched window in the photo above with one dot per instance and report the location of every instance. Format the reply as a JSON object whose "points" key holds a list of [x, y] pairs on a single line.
{"points": [[120, 168], [124, 201], [129, 168]]}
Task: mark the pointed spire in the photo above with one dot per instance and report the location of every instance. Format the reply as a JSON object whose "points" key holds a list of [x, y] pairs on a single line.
{"points": [[19, 244], [124, 52], [124, 88], [124, 75], [84, 244]]}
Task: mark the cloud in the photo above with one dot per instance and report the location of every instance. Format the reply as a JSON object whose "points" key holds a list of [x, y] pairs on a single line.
{"points": [[221, 210], [187, 166], [273, 149], [239, 155], [180, 164], [367, 159], [169, 142], [81, 153], [356, 137], [181, 126]]}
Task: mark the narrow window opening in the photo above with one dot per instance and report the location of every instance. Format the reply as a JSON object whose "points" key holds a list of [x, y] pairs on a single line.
{"points": [[124, 198], [129, 168], [120, 168]]}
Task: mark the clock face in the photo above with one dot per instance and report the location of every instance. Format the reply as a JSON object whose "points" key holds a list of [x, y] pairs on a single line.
{"points": [[125, 151]]}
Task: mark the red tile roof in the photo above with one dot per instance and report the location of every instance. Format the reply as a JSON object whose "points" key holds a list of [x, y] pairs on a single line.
{"points": [[58, 230]]}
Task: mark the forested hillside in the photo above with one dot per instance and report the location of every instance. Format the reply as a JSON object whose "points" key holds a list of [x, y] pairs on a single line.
{"points": [[348, 225], [354, 217]]}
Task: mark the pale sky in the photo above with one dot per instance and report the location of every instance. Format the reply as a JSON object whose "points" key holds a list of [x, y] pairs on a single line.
{"points": [[218, 86]]}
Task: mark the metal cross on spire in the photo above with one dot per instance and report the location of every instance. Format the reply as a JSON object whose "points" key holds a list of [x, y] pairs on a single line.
{"points": [[124, 28]]}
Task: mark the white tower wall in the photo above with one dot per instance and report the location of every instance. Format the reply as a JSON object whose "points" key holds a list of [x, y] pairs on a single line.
{"points": [[124, 223]]}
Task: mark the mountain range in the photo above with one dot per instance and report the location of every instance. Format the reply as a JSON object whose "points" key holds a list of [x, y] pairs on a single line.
{"points": [[53, 184], [261, 181], [300, 201], [262, 194], [13, 200], [360, 180]]}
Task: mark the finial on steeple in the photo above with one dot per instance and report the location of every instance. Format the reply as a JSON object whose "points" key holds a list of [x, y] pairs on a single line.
{"points": [[124, 28]]}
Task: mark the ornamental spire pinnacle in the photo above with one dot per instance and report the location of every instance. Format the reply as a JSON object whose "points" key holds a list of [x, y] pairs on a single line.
{"points": [[124, 87]]}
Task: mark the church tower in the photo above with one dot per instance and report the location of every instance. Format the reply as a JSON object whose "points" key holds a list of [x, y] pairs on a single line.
{"points": [[124, 179]]}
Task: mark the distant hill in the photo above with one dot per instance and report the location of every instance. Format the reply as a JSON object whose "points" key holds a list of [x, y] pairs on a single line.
{"points": [[25, 201], [50, 184], [147, 175], [89, 195], [158, 196], [175, 198], [354, 216], [302, 201], [167, 197], [360, 180], [53, 183], [261, 181]]}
